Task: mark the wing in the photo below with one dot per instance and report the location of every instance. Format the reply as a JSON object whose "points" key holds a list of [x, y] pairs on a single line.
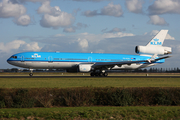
{"points": [[112, 64]]}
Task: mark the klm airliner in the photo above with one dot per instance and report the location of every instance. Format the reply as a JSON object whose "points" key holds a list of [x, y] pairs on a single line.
{"points": [[96, 63]]}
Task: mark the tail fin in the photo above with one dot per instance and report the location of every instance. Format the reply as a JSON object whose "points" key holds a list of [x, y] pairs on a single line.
{"points": [[154, 47], [158, 39]]}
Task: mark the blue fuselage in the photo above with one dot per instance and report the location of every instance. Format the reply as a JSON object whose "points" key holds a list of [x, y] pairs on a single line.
{"points": [[46, 60]]}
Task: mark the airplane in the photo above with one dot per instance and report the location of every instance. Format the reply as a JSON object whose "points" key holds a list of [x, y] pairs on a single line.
{"points": [[97, 64]]}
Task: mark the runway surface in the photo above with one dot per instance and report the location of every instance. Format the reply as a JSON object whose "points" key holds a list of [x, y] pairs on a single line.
{"points": [[90, 77]]}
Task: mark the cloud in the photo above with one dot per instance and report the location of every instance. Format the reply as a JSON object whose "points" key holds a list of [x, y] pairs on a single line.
{"points": [[54, 17], [112, 10], [18, 45], [156, 20], [74, 28], [155, 32], [46, 8], [115, 42], [89, 13], [85, 40], [8, 9], [98, 38], [91, 0], [23, 20], [104, 30], [63, 20], [59, 35], [17, 11], [69, 30], [177, 49], [117, 35], [24, 1], [83, 43], [33, 46], [109, 10], [169, 37], [11, 45], [75, 11], [114, 30], [134, 6], [164, 6]]}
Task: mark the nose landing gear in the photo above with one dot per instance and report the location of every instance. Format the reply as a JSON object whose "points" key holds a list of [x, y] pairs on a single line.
{"points": [[31, 74]]}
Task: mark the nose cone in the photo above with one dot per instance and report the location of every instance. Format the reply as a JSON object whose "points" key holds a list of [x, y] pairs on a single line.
{"points": [[9, 60], [14, 60]]}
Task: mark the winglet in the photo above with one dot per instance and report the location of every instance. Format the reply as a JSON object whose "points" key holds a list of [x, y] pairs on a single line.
{"points": [[158, 39]]}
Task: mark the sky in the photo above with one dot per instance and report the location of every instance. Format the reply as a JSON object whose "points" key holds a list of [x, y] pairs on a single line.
{"points": [[98, 26]]}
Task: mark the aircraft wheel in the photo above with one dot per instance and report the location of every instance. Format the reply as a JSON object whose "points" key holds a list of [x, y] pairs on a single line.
{"points": [[30, 74], [105, 74], [92, 74], [96, 74], [101, 74]]}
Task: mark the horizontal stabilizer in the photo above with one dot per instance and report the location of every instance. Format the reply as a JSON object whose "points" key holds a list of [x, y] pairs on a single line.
{"points": [[162, 58]]}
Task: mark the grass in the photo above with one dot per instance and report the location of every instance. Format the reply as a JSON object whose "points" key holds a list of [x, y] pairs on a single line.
{"points": [[140, 112], [90, 82], [93, 113]]}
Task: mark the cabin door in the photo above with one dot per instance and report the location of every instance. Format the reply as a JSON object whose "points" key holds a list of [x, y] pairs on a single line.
{"points": [[50, 59], [22, 58], [89, 59]]}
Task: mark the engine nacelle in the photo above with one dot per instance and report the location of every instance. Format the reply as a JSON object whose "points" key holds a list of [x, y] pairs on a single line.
{"points": [[160, 50], [85, 67]]}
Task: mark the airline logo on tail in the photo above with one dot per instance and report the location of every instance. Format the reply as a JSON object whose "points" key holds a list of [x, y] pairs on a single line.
{"points": [[158, 39], [155, 42]]}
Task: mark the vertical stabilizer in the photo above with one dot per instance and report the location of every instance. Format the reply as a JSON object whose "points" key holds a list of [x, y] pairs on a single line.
{"points": [[158, 39]]}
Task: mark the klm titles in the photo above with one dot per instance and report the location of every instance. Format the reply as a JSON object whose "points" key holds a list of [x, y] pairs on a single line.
{"points": [[156, 42]]}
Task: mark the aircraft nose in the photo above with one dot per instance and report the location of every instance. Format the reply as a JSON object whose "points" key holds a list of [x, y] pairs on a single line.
{"points": [[8, 60]]}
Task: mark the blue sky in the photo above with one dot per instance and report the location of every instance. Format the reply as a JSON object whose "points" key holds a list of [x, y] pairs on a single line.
{"points": [[99, 26]]}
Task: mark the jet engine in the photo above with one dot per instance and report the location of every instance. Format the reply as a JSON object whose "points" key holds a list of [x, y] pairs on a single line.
{"points": [[85, 67], [159, 50]]}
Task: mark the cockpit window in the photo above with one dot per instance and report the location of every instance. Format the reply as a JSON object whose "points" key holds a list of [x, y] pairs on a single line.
{"points": [[15, 57]]}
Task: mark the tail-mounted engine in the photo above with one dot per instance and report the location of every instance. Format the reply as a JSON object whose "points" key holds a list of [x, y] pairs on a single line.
{"points": [[160, 50]]}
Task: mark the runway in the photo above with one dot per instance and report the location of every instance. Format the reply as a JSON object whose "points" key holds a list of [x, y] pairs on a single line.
{"points": [[89, 77]]}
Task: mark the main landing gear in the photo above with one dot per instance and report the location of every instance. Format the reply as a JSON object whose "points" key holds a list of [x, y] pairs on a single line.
{"points": [[31, 74], [99, 74]]}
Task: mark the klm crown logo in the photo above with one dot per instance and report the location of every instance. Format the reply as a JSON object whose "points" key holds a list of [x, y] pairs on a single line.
{"points": [[36, 56], [156, 39], [155, 42]]}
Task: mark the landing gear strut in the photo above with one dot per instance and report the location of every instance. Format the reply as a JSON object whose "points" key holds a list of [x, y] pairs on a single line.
{"points": [[31, 74], [100, 74]]}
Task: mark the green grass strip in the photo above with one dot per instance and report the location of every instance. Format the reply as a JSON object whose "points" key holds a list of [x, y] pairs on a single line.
{"points": [[90, 82], [162, 112]]}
